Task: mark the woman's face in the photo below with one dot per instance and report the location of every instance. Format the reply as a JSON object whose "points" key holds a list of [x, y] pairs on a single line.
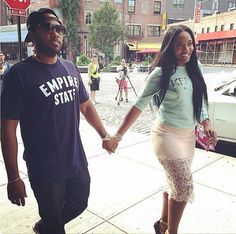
{"points": [[183, 48]]}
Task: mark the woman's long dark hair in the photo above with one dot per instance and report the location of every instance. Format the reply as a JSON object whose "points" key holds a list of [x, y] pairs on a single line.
{"points": [[168, 63]]}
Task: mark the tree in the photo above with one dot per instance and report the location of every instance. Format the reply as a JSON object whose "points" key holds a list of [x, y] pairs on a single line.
{"points": [[106, 29], [70, 13]]}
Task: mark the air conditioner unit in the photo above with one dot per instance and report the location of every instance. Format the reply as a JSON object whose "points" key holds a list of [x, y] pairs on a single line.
{"points": [[231, 8]]}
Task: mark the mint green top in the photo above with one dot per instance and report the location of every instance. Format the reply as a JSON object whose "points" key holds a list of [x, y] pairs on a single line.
{"points": [[176, 108]]}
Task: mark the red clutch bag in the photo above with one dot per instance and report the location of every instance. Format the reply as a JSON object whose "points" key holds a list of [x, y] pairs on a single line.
{"points": [[202, 138]]}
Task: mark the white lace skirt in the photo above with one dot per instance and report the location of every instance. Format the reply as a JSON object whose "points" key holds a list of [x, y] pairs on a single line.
{"points": [[174, 148]]}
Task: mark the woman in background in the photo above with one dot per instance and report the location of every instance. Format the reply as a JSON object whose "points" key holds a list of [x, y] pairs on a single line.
{"points": [[94, 78]]}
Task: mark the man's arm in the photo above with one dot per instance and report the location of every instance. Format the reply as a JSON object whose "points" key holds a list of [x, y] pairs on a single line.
{"points": [[91, 115], [16, 187]]}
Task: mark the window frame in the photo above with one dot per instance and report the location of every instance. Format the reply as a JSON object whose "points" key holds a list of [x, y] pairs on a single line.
{"points": [[149, 26], [131, 7], [131, 28], [157, 7]]}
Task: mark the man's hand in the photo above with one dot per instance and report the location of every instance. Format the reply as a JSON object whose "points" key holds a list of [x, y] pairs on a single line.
{"points": [[16, 192], [110, 145]]}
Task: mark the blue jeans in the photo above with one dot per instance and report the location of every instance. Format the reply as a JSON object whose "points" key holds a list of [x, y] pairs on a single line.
{"points": [[61, 201]]}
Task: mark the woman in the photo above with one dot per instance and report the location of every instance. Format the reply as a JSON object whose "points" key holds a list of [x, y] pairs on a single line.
{"points": [[177, 80], [94, 77], [122, 80]]}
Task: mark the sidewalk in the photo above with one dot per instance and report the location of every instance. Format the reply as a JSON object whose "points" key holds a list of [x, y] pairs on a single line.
{"points": [[126, 191]]}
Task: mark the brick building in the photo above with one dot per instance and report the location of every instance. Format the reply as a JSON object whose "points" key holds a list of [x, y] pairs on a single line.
{"points": [[142, 18]]}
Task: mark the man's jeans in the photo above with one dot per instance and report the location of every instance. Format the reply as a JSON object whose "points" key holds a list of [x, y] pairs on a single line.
{"points": [[60, 201]]}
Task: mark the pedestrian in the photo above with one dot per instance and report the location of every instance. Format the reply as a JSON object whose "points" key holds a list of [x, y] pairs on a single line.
{"points": [[94, 78], [177, 79], [4, 68], [45, 93], [122, 81]]}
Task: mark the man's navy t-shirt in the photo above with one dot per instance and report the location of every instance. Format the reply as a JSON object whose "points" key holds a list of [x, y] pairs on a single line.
{"points": [[46, 99]]}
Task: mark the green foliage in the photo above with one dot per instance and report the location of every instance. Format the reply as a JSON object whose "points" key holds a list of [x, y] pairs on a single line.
{"points": [[117, 60], [70, 13], [82, 60], [106, 30], [148, 60]]}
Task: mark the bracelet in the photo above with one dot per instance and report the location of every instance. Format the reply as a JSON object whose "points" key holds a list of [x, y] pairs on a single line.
{"points": [[118, 136], [13, 181], [106, 138]]}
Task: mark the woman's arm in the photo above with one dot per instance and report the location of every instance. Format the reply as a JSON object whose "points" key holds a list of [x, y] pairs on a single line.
{"points": [[129, 119]]}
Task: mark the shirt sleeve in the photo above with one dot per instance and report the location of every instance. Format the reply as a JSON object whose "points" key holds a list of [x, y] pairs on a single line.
{"points": [[83, 94], [204, 113], [12, 99], [151, 87]]}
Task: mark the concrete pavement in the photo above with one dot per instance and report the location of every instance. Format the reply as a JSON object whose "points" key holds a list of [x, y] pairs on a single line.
{"points": [[126, 191]]}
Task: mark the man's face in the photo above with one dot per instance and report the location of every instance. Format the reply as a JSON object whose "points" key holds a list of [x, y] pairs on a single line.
{"points": [[48, 36], [2, 58]]}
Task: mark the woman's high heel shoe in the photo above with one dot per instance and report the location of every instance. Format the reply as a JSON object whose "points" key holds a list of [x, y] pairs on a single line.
{"points": [[160, 227]]}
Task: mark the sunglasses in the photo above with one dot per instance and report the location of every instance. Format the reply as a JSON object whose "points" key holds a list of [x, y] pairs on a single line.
{"points": [[48, 27]]}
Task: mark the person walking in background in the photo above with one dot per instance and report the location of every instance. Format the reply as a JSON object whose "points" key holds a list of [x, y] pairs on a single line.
{"points": [[176, 78], [4, 68], [94, 78], [122, 81], [46, 94]]}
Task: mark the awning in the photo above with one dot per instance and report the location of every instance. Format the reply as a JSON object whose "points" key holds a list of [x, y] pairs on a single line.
{"points": [[10, 37], [216, 35], [142, 45], [148, 51]]}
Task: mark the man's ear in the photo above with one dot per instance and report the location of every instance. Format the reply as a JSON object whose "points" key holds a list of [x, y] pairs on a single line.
{"points": [[32, 35]]}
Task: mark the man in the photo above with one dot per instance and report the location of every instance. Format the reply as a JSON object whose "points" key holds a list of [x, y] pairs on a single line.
{"points": [[46, 94], [4, 68]]}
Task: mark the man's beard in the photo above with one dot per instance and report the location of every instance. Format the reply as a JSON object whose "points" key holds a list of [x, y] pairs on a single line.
{"points": [[47, 50]]}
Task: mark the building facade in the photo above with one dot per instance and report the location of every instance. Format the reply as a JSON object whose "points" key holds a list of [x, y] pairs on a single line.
{"points": [[144, 20], [215, 37]]}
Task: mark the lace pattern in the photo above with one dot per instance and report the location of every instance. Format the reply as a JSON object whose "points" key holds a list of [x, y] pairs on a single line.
{"points": [[179, 178]]}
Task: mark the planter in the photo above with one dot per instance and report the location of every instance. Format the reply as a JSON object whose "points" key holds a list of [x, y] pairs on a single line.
{"points": [[83, 69], [113, 68]]}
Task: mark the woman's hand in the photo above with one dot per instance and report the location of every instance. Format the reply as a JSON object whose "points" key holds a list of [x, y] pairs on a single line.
{"points": [[90, 81], [210, 132]]}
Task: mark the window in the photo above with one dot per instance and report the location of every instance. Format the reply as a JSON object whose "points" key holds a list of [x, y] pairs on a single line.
{"points": [[216, 28], [134, 30], [131, 6], [222, 27], [118, 1], [231, 26], [208, 29], [88, 18], [232, 5], [215, 5], [157, 8], [144, 7], [153, 30], [179, 4], [203, 30]]}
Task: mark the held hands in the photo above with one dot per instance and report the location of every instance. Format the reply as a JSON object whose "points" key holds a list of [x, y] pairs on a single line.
{"points": [[16, 192], [110, 143]]}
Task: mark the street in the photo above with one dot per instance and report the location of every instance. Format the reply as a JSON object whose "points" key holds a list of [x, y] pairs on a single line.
{"points": [[111, 113]]}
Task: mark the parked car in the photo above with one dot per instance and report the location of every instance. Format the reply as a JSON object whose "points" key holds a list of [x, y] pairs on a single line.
{"points": [[222, 109]]}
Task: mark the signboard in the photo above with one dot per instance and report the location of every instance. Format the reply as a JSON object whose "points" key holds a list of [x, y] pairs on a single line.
{"points": [[18, 12], [164, 21], [18, 4], [18, 7], [197, 13]]}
